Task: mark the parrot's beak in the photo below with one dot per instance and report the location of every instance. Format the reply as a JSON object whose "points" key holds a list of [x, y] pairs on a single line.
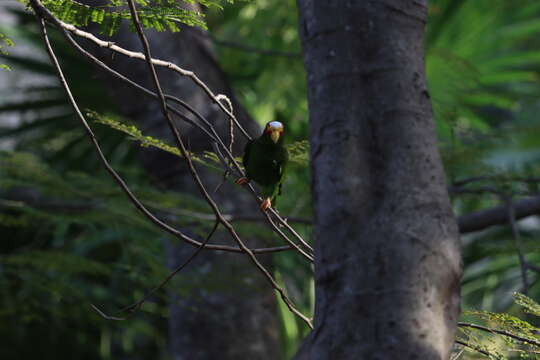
{"points": [[274, 135]]}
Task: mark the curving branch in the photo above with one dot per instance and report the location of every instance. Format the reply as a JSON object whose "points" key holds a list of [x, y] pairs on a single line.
{"points": [[204, 193], [230, 165], [166, 64], [134, 308], [225, 105], [38, 8]]}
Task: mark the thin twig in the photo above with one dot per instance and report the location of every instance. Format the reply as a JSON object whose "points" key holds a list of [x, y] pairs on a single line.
{"points": [[500, 332], [105, 316], [137, 306], [231, 122], [133, 54], [292, 243], [134, 308], [38, 8], [458, 354], [251, 49], [518, 243], [63, 27], [288, 227], [271, 222], [498, 215], [193, 171], [475, 348]]}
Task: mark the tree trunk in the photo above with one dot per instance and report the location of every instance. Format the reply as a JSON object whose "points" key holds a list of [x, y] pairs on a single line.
{"points": [[229, 311], [387, 252]]}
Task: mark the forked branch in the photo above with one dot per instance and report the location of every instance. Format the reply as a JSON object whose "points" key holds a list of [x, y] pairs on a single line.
{"points": [[43, 14], [195, 175]]}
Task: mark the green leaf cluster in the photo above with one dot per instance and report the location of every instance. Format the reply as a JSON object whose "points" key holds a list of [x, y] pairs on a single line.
{"points": [[160, 15], [499, 342], [298, 151]]}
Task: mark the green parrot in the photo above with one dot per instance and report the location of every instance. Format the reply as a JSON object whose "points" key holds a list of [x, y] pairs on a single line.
{"points": [[265, 160]]}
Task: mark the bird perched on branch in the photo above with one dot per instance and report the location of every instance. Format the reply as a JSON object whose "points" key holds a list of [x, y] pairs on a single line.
{"points": [[265, 160]]}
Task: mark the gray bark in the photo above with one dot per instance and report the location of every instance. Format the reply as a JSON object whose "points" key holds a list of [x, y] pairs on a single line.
{"points": [[221, 307], [387, 252]]}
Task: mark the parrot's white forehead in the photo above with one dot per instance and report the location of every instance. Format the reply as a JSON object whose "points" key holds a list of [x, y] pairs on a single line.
{"points": [[275, 125]]}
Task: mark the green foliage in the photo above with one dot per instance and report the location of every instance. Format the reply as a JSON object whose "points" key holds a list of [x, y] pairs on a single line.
{"points": [[482, 68], [160, 15], [506, 335], [529, 305], [483, 73], [298, 151], [70, 240], [271, 87], [5, 41], [482, 64]]}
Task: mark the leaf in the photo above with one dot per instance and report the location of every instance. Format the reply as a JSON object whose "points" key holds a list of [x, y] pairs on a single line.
{"points": [[148, 141], [530, 306]]}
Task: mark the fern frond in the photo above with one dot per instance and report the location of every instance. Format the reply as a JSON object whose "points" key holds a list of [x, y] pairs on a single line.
{"points": [[298, 151], [60, 261], [530, 306], [160, 15], [207, 158]]}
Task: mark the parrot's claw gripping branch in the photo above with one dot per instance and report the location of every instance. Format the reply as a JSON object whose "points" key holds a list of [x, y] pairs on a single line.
{"points": [[242, 181], [266, 204]]}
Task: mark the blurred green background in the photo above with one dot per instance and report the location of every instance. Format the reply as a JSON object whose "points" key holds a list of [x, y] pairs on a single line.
{"points": [[82, 242]]}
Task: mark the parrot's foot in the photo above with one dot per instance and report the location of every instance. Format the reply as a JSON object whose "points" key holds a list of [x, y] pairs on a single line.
{"points": [[266, 204], [242, 181]]}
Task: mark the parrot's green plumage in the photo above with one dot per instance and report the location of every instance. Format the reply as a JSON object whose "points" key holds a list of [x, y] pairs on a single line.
{"points": [[265, 160]]}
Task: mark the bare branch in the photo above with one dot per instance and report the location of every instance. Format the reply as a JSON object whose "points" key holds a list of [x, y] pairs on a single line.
{"points": [[134, 308], [498, 215], [231, 123], [43, 12], [137, 55], [193, 171], [533, 267], [251, 49], [496, 178], [296, 235], [39, 9], [105, 316], [137, 306], [214, 136]]}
